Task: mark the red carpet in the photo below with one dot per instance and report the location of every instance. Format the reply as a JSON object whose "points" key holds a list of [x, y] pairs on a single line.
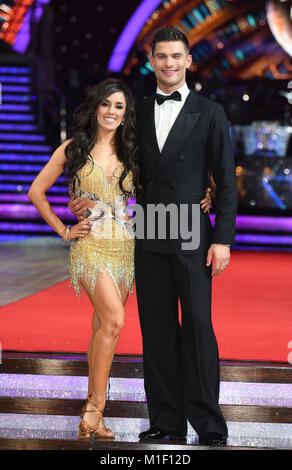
{"points": [[252, 314]]}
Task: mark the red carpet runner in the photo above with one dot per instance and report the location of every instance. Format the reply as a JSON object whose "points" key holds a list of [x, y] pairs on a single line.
{"points": [[252, 314]]}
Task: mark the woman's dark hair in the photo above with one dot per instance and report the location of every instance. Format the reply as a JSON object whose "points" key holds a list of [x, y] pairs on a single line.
{"points": [[167, 34], [84, 133]]}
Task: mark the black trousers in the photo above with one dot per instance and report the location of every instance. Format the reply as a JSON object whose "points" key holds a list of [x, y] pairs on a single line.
{"points": [[181, 362]]}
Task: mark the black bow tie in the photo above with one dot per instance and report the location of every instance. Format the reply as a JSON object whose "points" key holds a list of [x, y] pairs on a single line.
{"points": [[176, 96]]}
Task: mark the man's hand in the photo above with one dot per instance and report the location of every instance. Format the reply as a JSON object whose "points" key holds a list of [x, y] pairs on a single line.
{"points": [[206, 203], [77, 206], [221, 255]]}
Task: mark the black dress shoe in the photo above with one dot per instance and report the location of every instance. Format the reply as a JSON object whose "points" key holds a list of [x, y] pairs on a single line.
{"points": [[154, 434], [213, 439]]}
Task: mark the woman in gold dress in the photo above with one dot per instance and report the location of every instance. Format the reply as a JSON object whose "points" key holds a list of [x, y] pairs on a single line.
{"points": [[101, 161], [101, 164]]}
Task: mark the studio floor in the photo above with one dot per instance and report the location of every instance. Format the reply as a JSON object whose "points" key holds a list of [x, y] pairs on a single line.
{"points": [[43, 374]]}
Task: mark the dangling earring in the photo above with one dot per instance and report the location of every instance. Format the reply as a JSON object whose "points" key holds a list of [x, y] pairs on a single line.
{"points": [[122, 123]]}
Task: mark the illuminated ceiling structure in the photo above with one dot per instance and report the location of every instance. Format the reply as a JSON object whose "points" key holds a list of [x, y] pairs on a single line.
{"points": [[15, 17], [12, 14], [229, 38]]}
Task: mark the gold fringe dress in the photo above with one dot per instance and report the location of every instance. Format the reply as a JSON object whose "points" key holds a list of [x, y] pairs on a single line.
{"points": [[110, 244]]}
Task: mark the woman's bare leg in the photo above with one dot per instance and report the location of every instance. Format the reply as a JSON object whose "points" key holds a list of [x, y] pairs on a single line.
{"points": [[109, 310], [95, 325]]}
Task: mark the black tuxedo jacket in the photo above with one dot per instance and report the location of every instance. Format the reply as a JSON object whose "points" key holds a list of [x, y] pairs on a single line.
{"points": [[198, 143]]}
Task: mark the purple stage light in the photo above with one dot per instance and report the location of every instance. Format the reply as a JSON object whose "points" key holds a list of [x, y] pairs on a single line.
{"points": [[20, 188], [15, 237], [18, 127], [15, 98], [14, 79], [17, 117], [13, 137], [20, 168], [261, 223], [15, 88], [33, 148], [129, 34], [29, 212], [15, 107], [264, 223], [24, 227], [14, 70], [19, 198], [23, 178], [263, 239], [12, 157]]}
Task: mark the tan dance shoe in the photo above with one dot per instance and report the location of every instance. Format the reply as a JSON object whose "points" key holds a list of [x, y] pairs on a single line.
{"points": [[100, 431]]}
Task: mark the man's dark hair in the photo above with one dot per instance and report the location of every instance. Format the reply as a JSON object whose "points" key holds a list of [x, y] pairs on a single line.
{"points": [[167, 34]]}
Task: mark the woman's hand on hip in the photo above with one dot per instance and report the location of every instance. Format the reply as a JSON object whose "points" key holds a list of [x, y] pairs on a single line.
{"points": [[80, 230]]}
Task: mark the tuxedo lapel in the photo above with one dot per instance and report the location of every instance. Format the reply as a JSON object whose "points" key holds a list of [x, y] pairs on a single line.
{"points": [[148, 131], [180, 130]]}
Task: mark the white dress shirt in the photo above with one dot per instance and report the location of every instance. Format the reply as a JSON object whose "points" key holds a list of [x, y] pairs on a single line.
{"points": [[166, 114]]}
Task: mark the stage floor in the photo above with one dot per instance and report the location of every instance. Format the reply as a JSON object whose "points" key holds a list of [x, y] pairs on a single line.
{"points": [[41, 396], [41, 393], [31, 265]]}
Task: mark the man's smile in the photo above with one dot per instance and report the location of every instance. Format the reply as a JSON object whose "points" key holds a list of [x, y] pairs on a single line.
{"points": [[169, 72]]}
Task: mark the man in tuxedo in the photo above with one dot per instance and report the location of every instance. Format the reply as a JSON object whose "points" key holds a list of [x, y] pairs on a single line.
{"points": [[183, 139]]}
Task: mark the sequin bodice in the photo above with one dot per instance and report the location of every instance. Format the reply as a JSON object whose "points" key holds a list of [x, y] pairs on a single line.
{"points": [[108, 204], [94, 181]]}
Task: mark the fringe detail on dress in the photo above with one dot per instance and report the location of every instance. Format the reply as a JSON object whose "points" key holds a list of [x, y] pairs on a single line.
{"points": [[82, 268]]}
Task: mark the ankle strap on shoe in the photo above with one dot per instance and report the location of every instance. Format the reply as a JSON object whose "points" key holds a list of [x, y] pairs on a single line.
{"points": [[101, 410]]}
